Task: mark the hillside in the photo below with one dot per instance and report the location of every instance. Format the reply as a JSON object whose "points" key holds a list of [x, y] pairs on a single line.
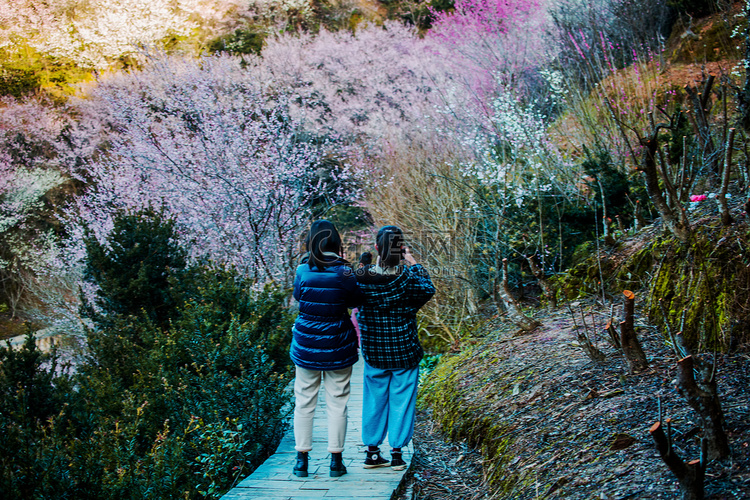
{"points": [[529, 415], [537, 419]]}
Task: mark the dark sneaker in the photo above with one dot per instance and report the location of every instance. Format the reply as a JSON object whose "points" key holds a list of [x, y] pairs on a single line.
{"points": [[373, 460], [397, 462], [337, 465], [300, 468]]}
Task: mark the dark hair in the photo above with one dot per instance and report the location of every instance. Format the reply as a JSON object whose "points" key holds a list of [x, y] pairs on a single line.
{"points": [[390, 239], [366, 258], [323, 244]]}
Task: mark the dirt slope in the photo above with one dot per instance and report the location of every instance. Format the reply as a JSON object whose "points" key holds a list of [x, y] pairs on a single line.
{"points": [[533, 417]]}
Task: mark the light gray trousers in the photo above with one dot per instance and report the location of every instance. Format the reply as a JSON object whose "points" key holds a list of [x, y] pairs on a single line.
{"points": [[306, 389]]}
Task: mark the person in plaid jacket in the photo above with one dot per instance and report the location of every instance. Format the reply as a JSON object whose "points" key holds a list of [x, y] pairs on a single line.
{"points": [[394, 290]]}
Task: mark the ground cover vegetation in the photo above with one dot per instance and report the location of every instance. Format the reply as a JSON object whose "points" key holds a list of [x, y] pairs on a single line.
{"points": [[160, 161]]}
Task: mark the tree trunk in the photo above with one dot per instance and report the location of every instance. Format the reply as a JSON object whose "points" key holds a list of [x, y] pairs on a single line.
{"points": [[703, 398], [690, 475], [547, 289], [503, 295], [631, 347], [726, 219], [638, 220], [743, 97], [676, 223]]}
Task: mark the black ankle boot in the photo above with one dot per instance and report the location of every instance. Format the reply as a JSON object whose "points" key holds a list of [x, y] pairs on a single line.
{"points": [[300, 468], [337, 465], [397, 461]]}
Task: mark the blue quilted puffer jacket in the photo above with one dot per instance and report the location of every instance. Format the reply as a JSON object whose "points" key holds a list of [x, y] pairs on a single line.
{"points": [[323, 334]]}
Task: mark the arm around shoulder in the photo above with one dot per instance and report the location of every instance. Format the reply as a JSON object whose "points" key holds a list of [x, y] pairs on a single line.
{"points": [[354, 295]]}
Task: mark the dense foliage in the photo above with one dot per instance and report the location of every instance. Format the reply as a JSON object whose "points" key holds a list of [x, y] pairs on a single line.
{"points": [[531, 113], [156, 177], [174, 398]]}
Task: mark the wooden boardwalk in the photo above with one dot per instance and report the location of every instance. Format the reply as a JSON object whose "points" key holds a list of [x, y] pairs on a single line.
{"points": [[274, 479]]}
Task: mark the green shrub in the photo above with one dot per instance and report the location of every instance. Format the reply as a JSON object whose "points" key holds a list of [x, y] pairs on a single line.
{"points": [[242, 41], [31, 395], [25, 71], [426, 366], [181, 409], [132, 269], [696, 8]]}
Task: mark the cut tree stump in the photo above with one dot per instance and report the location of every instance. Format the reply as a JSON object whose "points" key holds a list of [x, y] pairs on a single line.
{"points": [[582, 336], [612, 335], [631, 347], [702, 396], [538, 272], [690, 475], [503, 295]]}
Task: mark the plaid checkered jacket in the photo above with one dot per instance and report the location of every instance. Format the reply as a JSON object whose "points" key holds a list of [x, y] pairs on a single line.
{"points": [[388, 316]]}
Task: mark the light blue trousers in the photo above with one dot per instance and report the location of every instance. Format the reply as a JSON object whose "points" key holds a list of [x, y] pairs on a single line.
{"points": [[390, 405]]}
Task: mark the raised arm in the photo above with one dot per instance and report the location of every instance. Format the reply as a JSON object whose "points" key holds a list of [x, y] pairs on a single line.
{"points": [[420, 288]]}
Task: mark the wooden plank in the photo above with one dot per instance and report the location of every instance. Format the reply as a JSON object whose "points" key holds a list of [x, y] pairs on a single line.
{"points": [[385, 493], [274, 480], [264, 493]]}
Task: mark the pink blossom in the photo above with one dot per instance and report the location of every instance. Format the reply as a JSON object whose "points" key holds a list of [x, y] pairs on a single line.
{"points": [[493, 42], [697, 197]]}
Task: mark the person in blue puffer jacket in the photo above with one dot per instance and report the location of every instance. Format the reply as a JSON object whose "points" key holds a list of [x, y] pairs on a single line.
{"points": [[324, 342]]}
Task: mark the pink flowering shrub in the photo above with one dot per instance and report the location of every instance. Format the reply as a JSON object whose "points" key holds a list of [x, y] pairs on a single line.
{"points": [[495, 43], [491, 17], [361, 85]]}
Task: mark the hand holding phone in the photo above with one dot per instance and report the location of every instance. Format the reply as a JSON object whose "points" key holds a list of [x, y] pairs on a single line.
{"points": [[407, 256]]}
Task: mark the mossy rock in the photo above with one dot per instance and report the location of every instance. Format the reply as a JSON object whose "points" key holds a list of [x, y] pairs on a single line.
{"points": [[708, 40], [585, 276], [578, 282], [704, 288], [634, 272]]}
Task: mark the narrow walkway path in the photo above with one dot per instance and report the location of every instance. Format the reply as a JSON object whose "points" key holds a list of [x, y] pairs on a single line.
{"points": [[274, 479]]}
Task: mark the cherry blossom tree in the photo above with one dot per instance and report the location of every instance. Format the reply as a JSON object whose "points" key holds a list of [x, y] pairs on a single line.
{"points": [[96, 33], [364, 84], [238, 151], [219, 151], [29, 172]]}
